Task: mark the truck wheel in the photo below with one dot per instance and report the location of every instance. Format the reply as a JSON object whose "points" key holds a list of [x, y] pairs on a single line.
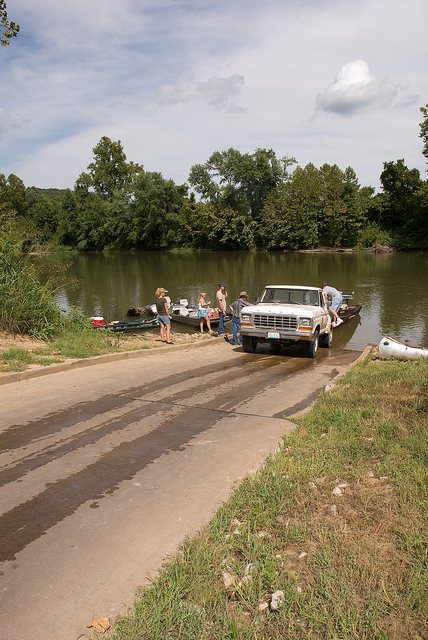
{"points": [[311, 347], [249, 344], [326, 339]]}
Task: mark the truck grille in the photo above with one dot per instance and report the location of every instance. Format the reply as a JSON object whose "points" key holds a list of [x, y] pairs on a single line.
{"points": [[275, 322]]}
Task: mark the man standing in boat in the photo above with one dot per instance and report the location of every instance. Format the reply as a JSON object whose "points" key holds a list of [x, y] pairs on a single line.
{"points": [[221, 296], [332, 294]]}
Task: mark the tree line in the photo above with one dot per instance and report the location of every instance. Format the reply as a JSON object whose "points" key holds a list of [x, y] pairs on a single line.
{"points": [[233, 201]]}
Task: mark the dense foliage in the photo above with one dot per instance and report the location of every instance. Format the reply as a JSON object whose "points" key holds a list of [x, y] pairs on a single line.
{"points": [[240, 201]]}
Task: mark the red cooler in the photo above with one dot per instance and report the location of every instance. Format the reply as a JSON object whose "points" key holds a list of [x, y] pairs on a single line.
{"points": [[97, 321]]}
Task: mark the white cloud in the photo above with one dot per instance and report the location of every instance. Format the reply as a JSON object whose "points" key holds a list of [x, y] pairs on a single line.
{"points": [[9, 120], [408, 101], [355, 91], [215, 91]]}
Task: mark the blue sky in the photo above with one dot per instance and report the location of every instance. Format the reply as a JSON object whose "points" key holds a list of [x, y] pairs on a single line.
{"points": [[334, 81]]}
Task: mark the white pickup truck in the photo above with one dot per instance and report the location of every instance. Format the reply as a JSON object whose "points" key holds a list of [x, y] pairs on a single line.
{"points": [[287, 314]]}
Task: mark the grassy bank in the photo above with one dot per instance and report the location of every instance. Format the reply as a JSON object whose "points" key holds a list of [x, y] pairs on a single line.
{"points": [[337, 521], [77, 339]]}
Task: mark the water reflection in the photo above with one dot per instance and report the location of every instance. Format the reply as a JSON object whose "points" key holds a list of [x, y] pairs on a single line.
{"points": [[391, 287]]}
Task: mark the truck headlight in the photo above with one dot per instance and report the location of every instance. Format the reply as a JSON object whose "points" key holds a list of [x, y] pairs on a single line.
{"points": [[305, 322], [245, 318]]}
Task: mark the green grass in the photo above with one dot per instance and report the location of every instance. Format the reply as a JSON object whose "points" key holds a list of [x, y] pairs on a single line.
{"points": [[81, 340], [19, 359], [75, 338], [353, 565]]}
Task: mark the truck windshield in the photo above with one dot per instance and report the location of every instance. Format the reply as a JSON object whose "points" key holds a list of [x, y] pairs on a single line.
{"points": [[290, 296]]}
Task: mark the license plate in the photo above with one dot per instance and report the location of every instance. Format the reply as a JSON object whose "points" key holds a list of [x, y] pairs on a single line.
{"points": [[273, 334]]}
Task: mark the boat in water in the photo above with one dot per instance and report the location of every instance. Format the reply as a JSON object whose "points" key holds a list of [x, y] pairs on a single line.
{"points": [[126, 327], [347, 311], [184, 314], [394, 349]]}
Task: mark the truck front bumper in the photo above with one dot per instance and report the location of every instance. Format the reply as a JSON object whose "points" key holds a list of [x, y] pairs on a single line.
{"points": [[264, 335]]}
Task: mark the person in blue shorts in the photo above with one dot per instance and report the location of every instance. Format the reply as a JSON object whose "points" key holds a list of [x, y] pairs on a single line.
{"points": [[336, 298], [163, 315], [203, 312]]}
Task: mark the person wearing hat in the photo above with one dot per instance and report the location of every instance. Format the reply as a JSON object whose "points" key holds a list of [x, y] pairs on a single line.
{"points": [[163, 315], [236, 308], [221, 296]]}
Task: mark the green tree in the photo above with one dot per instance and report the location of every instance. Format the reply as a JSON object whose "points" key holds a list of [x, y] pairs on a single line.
{"points": [[12, 195], [202, 180], [399, 185], [358, 200], [289, 218], [8, 29], [43, 211], [155, 212], [208, 226], [109, 172], [315, 206], [402, 209], [118, 222], [83, 221], [216, 180], [196, 219], [92, 233], [238, 181], [424, 130], [333, 208], [68, 225], [344, 207], [15, 206], [419, 229], [259, 174], [285, 223]]}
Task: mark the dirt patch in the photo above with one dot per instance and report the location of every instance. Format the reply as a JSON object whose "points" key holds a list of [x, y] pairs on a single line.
{"points": [[8, 340]]}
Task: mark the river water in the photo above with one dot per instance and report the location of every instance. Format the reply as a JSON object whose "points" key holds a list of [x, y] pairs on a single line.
{"points": [[392, 288]]}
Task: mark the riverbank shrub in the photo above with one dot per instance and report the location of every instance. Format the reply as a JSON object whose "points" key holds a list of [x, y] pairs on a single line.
{"points": [[27, 305], [373, 235]]}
